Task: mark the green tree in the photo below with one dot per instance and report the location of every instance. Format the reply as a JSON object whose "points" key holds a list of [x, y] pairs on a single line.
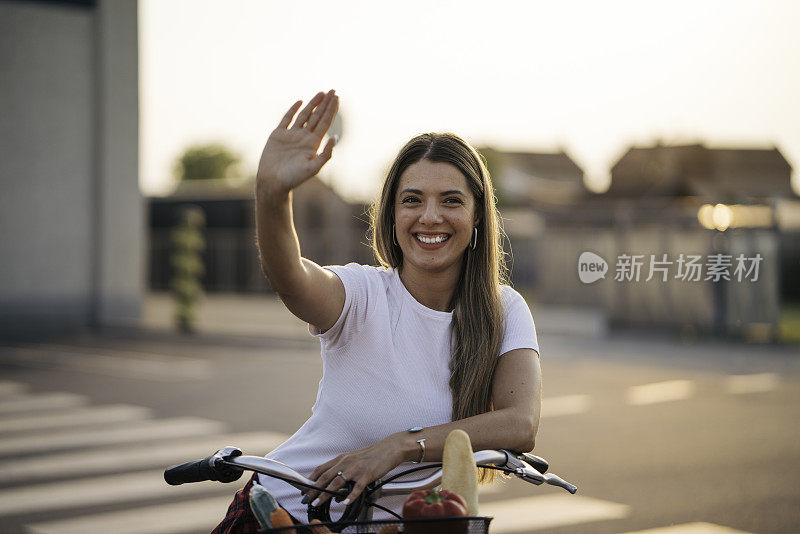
{"points": [[207, 162]]}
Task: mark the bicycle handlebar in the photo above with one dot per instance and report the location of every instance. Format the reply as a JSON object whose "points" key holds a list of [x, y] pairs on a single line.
{"points": [[227, 465]]}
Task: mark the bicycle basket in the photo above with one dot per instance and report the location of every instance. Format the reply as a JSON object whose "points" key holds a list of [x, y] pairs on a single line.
{"points": [[433, 525]]}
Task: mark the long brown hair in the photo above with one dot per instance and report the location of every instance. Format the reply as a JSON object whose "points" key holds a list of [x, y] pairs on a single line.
{"points": [[477, 326]]}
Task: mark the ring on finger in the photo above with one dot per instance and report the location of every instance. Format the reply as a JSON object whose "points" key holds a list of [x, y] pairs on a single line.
{"points": [[340, 474]]}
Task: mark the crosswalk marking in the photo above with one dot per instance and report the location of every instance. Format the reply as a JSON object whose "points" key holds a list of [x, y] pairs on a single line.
{"points": [[548, 511], [136, 431], [164, 454], [660, 392], [124, 364], [68, 418], [691, 528], [196, 515], [565, 405], [754, 383], [8, 387], [103, 490], [43, 401]]}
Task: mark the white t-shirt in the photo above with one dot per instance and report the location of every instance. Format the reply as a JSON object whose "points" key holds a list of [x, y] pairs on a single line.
{"points": [[385, 369]]}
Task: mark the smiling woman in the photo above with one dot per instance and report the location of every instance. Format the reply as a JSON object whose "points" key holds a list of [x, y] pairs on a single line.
{"points": [[430, 341], [445, 191]]}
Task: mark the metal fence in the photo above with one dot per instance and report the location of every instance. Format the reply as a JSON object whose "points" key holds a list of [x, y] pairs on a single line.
{"points": [[748, 304]]}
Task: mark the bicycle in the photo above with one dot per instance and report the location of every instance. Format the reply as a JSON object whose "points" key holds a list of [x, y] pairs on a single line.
{"points": [[228, 464]]}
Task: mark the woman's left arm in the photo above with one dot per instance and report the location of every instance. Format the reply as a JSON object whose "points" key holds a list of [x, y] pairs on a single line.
{"points": [[513, 424]]}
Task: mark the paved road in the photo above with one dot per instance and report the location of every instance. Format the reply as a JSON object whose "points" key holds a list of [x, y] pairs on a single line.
{"points": [[696, 438]]}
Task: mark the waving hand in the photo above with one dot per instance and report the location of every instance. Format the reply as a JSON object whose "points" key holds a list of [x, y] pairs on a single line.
{"points": [[290, 155]]}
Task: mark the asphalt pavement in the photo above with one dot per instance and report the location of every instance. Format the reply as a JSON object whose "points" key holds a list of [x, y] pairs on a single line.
{"points": [[661, 436]]}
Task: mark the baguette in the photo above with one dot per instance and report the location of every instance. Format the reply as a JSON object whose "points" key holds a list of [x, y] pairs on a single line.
{"points": [[459, 472]]}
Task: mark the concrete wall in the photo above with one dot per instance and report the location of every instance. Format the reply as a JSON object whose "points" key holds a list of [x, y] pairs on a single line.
{"points": [[121, 254], [71, 215]]}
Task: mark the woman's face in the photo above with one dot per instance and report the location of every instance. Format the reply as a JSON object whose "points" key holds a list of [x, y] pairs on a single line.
{"points": [[435, 204]]}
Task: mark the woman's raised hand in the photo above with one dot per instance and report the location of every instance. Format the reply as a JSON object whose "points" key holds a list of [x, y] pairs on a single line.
{"points": [[290, 155]]}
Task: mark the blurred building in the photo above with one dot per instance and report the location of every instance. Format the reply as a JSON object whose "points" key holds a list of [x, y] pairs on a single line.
{"points": [[724, 175], [663, 202], [330, 229], [70, 210], [532, 188], [545, 181]]}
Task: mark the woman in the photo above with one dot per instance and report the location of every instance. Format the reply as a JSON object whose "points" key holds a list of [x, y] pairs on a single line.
{"points": [[431, 339]]}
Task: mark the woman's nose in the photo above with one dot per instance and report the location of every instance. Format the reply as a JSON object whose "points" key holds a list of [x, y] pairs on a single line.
{"points": [[431, 213]]}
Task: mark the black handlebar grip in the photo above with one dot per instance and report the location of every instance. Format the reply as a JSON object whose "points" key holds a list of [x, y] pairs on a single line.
{"points": [[197, 471]]}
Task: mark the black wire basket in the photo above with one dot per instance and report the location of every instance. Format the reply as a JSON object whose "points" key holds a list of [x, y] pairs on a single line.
{"points": [[433, 525]]}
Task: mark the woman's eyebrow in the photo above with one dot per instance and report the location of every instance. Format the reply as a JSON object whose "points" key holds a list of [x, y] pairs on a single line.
{"points": [[443, 193]]}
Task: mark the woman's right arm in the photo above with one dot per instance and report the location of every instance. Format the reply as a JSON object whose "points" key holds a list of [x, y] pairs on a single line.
{"points": [[290, 157]]}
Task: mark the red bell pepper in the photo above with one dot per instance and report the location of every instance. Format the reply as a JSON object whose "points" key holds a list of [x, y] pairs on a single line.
{"points": [[424, 504]]}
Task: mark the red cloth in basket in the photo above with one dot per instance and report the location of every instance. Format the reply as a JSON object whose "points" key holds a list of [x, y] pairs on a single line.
{"points": [[240, 518]]}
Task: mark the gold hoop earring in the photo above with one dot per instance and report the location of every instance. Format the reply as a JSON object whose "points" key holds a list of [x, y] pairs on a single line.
{"points": [[474, 240], [394, 236]]}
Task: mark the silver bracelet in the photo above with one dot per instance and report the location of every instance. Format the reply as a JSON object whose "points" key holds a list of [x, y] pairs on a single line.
{"points": [[421, 452]]}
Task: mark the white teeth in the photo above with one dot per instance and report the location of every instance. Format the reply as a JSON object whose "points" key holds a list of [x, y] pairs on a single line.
{"points": [[431, 240]]}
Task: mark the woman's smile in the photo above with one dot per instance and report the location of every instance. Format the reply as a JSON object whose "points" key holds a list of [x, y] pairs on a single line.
{"points": [[431, 241]]}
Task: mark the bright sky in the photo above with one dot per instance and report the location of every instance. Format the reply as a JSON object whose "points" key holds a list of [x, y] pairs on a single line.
{"points": [[591, 77]]}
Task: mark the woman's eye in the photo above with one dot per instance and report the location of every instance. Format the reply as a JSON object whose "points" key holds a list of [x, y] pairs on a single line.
{"points": [[453, 200], [408, 200]]}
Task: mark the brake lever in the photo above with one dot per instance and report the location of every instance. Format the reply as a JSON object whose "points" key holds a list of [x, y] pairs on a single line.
{"points": [[530, 475], [535, 472], [537, 462], [534, 477], [555, 480]]}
